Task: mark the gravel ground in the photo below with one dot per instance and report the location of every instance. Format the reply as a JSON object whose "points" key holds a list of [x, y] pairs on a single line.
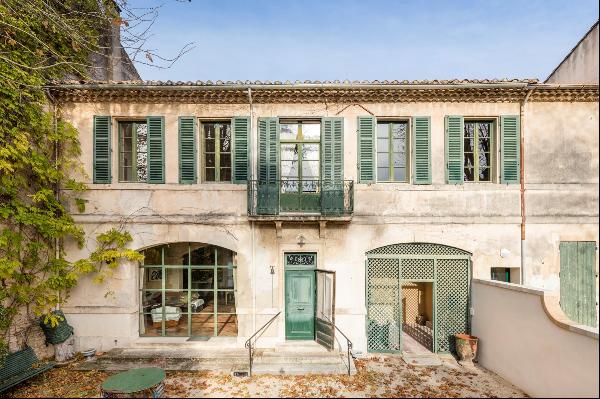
{"points": [[377, 376]]}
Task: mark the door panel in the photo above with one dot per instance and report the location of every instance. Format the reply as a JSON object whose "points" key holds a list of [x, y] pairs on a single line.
{"points": [[300, 304], [325, 316]]}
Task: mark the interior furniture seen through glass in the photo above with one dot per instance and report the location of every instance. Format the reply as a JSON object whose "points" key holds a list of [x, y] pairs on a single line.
{"points": [[187, 290]]}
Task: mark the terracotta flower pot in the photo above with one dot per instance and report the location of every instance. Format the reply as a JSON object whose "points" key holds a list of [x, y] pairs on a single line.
{"points": [[466, 347]]}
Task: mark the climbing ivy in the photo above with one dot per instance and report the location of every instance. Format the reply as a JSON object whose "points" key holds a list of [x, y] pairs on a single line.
{"points": [[40, 41]]}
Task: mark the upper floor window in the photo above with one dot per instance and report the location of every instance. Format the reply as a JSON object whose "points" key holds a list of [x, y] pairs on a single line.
{"points": [[216, 144], [392, 151], [133, 146], [300, 150], [478, 150]]}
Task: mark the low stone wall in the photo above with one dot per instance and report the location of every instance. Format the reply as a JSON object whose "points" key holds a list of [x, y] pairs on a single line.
{"points": [[525, 338]]}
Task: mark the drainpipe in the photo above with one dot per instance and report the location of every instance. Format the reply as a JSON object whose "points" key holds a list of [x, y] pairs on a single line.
{"points": [[251, 177], [522, 182]]}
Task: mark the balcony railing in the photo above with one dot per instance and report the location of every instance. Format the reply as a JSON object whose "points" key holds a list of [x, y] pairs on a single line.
{"points": [[324, 197]]}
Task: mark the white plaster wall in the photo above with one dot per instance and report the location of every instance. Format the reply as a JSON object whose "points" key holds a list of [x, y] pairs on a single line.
{"points": [[520, 342], [580, 66], [561, 172]]}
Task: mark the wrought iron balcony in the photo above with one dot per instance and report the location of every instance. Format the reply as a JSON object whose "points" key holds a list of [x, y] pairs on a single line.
{"points": [[300, 197]]}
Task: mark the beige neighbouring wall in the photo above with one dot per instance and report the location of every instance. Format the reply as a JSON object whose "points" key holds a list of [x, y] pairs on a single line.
{"points": [[525, 338]]}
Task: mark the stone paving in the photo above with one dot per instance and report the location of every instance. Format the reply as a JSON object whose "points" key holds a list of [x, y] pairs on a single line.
{"points": [[377, 376]]}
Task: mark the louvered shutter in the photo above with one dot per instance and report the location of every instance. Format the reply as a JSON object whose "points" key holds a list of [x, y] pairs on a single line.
{"points": [[366, 149], [156, 149], [454, 149], [268, 161], [422, 149], [102, 150], [332, 165], [511, 149], [187, 150], [241, 134]]}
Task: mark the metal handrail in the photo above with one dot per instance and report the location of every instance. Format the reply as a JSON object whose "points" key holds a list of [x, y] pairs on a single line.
{"points": [[349, 346], [248, 343]]}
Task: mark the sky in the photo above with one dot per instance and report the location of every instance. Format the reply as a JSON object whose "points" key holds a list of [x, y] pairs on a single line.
{"points": [[364, 40]]}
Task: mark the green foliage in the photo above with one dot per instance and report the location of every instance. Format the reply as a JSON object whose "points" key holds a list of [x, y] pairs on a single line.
{"points": [[43, 40]]}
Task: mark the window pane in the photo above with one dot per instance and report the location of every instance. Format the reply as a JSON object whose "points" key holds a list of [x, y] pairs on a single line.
{"points": [[469, 129], [126, 173], [202, 279], [225, 138], [288, 131], [484, 159], [383, 174], [225, 278], [311, 131], [152, 256], [289, 186], [310, 169], [383, 130], [400, 174], [209, 145], [399, 145], [176, 279], [399, 130], [226, 302], [289, 152], [399, 160], [225, 174], [383, 145], [209, 131], [310, 186], [310, 152], [469, 174], [484, 174], [151, 300], [210, 160], [225, 160], [177, 253], [142, 147], [289, 169], [383, 159], [224, 256], [202, 254], [469, 160], [202, 302], [209, 174]]}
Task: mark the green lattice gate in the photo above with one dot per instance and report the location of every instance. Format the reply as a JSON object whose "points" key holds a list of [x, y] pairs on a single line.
{"points": [[448, 268]]}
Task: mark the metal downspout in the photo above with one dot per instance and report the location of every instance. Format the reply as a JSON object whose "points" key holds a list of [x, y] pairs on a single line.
{"points": [[251, 177], [522, 182]]}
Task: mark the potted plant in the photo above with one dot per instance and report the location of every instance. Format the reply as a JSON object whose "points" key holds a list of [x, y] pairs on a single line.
{"points": [[466, 347]]}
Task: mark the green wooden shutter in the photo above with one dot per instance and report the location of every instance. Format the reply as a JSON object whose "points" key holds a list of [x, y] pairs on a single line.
{"points": [[268, 166], [187, 150], [366, 149], [511, 149], [455, 126], [332, 165], [422, 149], [578, 281], [102, 150], [241, 135], [156, 149]]}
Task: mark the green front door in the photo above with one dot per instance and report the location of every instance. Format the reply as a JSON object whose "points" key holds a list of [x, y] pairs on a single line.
{"points": [[300, 291]]}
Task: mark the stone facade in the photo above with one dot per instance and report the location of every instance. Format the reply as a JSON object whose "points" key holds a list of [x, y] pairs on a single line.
{"points": [[561, 197]]}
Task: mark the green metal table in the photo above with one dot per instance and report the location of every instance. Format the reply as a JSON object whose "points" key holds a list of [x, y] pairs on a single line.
{"points": [[137, 383]]}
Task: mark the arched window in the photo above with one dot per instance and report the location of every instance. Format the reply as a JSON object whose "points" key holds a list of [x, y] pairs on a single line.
{"points": [[187, 290]]}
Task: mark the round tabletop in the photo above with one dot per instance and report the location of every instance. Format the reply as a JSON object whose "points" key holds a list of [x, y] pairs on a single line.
{"points": [[134, 380]]}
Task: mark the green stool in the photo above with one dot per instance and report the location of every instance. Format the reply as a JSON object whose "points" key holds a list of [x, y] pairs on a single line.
{"points": [[137, 383]]}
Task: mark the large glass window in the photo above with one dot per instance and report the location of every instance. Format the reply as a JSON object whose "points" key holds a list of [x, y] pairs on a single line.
{"points": [[133, 146], [187, 289], [300, 154], [392, 151], [216, 143], [478, 151]]}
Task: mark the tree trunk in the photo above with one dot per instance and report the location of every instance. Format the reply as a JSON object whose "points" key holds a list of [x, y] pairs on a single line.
{"points": [[66, 350]]}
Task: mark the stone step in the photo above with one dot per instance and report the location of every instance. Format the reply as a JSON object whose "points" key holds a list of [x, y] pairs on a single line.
{"points": [[284, 358], [166, 364], [299, 369]]}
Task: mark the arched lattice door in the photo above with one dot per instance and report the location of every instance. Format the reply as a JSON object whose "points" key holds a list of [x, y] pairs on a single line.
{"points": [[448, 268]]}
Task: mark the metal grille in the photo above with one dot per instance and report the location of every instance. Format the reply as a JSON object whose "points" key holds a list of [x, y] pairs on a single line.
{"points": [[418, 249], [451, 278], [383, 305], [417, 269], [452, 301]]}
